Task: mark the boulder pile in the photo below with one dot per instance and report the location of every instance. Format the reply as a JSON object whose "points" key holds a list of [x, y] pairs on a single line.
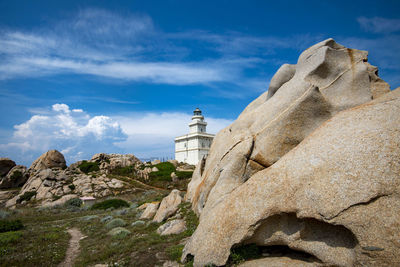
{"points": [[311, 165], [49, 181]]}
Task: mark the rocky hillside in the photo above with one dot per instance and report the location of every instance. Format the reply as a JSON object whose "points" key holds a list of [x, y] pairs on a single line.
{"points": [[311, 167], [49, 182]]}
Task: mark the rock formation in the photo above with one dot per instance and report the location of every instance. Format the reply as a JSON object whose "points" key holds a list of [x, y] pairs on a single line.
{"points": [[52, 182], [327, 78], [169, 205], [312, 165], [50, 159], [172, 227], [109, 162], [150, 211], [6, 165], [16, 177]]}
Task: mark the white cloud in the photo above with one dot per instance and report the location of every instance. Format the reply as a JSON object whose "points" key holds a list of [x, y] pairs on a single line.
{"points": [[61, 107], [153, 72], [129, 48], [69, 132], [79, 136], [379, 25]]}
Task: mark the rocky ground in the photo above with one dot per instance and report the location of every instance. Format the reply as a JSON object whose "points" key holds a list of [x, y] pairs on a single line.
{"points": [[53, 202], [50, 182], [123, 236]]}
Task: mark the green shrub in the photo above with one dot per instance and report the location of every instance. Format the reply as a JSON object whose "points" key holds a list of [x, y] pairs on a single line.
{"points": [[12, 225], [184, 175], [26, 196], [4, 214], [110, 203], [87, 167], [164, 172], [243, 253], [72, 187], [124, 171], [115, 223], [16, 175], [9, 237], [74, 202], [175, 252], [192, 221], [56, 197]]}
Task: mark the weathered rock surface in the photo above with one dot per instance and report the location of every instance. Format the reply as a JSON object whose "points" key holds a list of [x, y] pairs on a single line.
{"points": [[150, 211], [279, 262], [335, 196], [168, 207], [173, 227], [6, 165], [327, 79], [16, 177], [50, 159], [109, 162]]}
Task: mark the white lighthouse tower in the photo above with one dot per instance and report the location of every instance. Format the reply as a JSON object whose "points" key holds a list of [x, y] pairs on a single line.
{"points": [[195, 145]]}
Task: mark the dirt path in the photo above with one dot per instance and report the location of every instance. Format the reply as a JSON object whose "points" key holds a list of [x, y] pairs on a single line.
{"points": [[73, 248]]}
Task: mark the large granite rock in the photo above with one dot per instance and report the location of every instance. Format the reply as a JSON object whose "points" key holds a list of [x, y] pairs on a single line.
{"points": [[169, 205], [16, 177], [173, 227], [50, 159], [327, 79], [6, 165], [335, 196], [150, 211]]}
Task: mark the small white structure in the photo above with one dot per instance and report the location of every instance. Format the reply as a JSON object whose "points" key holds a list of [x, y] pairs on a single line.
{"points": [[192, 147]]}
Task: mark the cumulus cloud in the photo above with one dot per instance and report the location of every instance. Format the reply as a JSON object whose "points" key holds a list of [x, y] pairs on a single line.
{"points": [[79, 136], [68, 131]]}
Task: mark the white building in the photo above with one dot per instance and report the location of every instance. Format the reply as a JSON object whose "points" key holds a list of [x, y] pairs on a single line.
{"points": [[192, 147]]}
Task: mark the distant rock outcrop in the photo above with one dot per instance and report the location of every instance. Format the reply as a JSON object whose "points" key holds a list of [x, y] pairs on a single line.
{"points": [[52, 182], [109, 162], [6, 165], [312, 165], [16, 177], [50, 159]]}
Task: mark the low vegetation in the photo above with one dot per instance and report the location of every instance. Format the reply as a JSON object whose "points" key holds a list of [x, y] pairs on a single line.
{"points": [[88, 167], [74, 202], [110, 203], [10, 225], [242, 253], [43, 240], [161, 178], [16, 175], [26, 196], [129, 171]]}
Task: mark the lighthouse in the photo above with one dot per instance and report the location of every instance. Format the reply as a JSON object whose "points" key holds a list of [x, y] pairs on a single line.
{"points": [[192, 147]]}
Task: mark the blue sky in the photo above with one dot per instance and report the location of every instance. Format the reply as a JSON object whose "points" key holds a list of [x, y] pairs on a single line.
{"points": [[124, 76]]}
